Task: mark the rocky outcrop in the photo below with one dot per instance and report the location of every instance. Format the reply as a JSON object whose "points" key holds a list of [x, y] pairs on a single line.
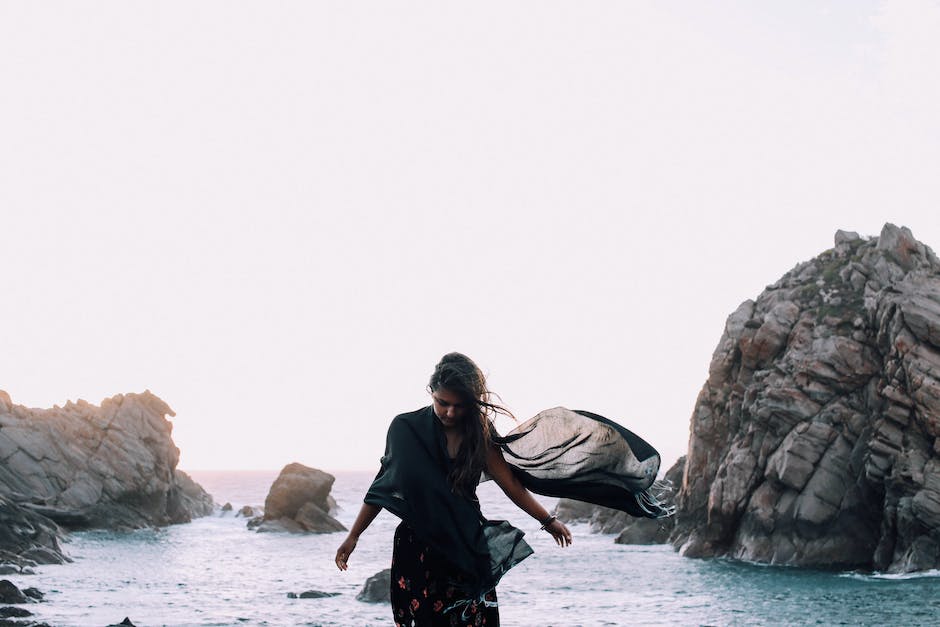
{"points": [[630, 529], [82, 466], [816, 438], [299, 501]]}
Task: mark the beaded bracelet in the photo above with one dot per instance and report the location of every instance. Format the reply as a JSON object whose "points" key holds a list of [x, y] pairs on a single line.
{"points": [[547, 522]]}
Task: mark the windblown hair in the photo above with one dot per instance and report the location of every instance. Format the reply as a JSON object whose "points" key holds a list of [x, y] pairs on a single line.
{"points": [[458, 374]]}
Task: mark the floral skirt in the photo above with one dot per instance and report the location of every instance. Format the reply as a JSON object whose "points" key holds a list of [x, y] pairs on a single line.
{"points": [[425, 589]]}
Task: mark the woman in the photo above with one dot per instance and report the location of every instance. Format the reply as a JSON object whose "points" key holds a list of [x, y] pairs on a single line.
{"points": [[447, 558]]}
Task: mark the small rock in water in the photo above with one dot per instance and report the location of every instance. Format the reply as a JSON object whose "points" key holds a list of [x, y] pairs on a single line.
{"points": [[124, 623], [227, 507], [312, 594], [246, 512], [317, 594], [376, 588], [14, 612], [298, 502], [33, 593], [9, 569]]}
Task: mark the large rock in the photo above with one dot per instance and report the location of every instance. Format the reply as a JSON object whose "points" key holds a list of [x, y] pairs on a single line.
{"points": [[377, 588], [10, 594], [83, 466], [299, 501], [816, 438]]}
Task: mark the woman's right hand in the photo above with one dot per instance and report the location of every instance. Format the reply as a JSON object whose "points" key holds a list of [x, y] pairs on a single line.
{"points": [[345, 550], [559, 531]]}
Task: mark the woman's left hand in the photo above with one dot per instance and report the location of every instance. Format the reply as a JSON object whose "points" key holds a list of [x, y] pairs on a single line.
{"points": [[560, 532]]}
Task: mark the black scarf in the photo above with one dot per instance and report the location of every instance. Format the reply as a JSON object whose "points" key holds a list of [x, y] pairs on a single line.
{"points": [[586, 457]]}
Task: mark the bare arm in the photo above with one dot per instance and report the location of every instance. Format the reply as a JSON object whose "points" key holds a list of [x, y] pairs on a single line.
{"points": [[502, 474], [367, 514]]}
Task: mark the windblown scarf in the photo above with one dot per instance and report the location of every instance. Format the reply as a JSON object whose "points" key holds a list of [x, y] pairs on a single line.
{"points": [[559, 452], [586, 457]]}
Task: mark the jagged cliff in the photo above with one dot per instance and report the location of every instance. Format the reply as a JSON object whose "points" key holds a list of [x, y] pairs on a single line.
{"points": [[83, 466], [816, 438]]}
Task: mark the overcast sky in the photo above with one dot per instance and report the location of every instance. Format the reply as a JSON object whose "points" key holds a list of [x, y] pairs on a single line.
{"points": [[277, 216]]}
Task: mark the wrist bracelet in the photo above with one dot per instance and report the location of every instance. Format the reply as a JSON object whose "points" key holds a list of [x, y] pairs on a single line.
{"points": [[548, 521]]}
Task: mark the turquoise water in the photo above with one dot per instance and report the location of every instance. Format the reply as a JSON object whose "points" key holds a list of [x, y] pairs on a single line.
{"points": [[216, 572]]}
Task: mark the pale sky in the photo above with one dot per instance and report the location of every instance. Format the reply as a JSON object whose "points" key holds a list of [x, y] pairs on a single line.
{"points": [[277, 216]]}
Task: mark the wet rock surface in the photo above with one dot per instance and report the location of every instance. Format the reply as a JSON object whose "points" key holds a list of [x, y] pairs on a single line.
{"points": [[10, 594], [816, 439], [377, 588], [299, 501]]}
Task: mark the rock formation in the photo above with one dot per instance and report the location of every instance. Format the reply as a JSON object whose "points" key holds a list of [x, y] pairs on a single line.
{"points": [[299, 501], [83, 466], [816, 438]]}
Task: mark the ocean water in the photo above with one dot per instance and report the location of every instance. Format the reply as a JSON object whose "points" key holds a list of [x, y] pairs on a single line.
{"points": [[215, 572]]}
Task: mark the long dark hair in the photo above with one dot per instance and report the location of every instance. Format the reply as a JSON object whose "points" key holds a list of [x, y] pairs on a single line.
{"points": [[457, 373]]}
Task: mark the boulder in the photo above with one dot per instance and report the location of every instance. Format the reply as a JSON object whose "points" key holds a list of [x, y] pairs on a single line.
{"points": [[377, 588], [33, 594], [312, 518], [14, 612], [10, 594], [646, 531], [299, 501], [815, 439]]}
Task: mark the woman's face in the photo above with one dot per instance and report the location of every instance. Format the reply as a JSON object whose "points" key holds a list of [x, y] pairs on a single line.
{"points": [[449, 407]]}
